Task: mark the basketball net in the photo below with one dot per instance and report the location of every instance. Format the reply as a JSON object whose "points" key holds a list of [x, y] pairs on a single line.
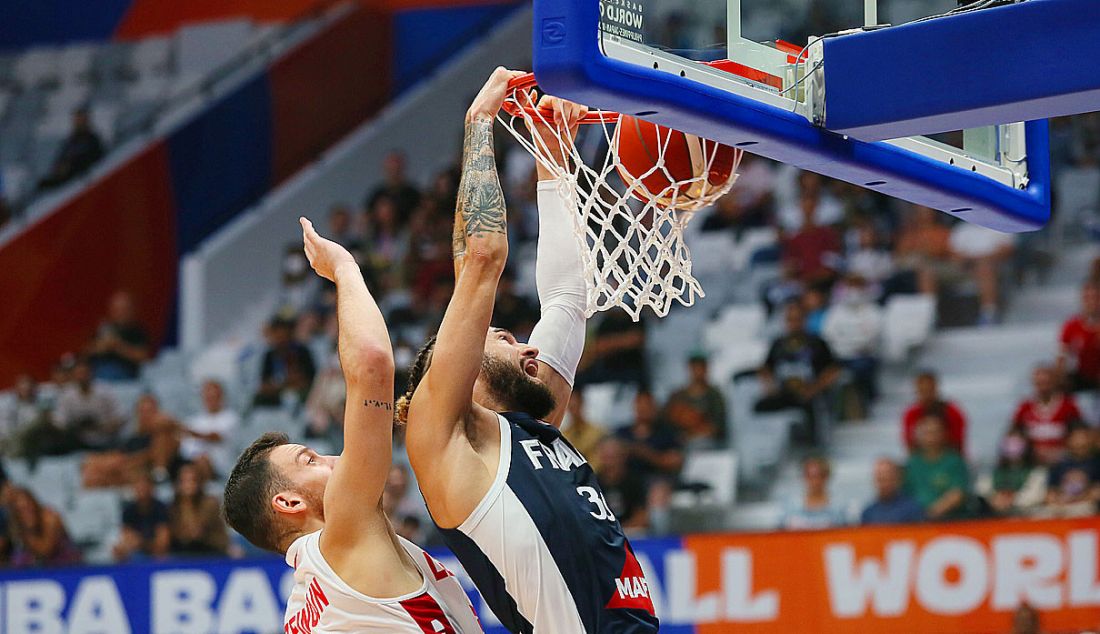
{"points": [[631, 238]]}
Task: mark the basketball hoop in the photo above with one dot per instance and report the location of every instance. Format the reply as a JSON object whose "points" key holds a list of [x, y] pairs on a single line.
{"points": [[633, 204]]}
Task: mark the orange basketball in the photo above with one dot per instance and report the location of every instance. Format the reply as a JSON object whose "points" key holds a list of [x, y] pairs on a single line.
{"points": [[686, 158]]}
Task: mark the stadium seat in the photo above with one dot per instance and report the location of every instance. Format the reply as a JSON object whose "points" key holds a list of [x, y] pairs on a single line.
{"points": [[151, 57], [37, 67], [735, 358], [907, 323], [717, 471], [75, 64], [735, 323], [16, 180]]}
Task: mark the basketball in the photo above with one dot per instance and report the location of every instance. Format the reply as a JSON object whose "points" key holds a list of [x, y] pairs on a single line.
{"points": [[693, 167]]}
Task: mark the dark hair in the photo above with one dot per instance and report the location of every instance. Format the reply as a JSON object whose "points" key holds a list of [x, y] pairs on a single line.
{"points": [[927, 374], [416, 375], [248, 491]]}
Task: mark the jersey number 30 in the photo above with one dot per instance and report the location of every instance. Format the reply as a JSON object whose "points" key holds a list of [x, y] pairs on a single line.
{"points": [[602, 511]]}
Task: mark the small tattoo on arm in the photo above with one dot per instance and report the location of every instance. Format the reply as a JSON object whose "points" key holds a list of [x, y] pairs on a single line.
{"points": [[386, 405]]}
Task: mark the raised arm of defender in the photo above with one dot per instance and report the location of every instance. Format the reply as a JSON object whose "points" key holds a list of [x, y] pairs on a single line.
{"points": [[354, 492]]}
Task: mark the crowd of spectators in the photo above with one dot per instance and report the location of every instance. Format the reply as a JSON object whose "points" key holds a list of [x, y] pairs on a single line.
{"points": [[841, 253], [1047, 460]]}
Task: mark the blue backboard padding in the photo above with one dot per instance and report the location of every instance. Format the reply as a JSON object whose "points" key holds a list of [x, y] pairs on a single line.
{"points": [[568, 63], [41, 22], [221, 162], [1019, 62]]}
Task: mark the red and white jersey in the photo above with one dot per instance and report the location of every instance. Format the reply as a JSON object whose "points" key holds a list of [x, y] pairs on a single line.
{"points": [[321, 603], [1047, 424]]}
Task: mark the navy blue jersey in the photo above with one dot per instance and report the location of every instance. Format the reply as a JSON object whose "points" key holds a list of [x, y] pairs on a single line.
{"points": [[544, 549]]}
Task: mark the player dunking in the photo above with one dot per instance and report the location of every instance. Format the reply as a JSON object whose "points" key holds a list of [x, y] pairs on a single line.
{"points": [[352, 573], [517, 504]]}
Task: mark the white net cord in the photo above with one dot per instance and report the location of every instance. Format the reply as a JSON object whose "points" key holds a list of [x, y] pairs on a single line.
{"points": [[632, 239]]}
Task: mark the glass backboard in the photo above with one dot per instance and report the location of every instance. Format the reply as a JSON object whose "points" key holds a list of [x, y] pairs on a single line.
{"points": [[775, 96]]}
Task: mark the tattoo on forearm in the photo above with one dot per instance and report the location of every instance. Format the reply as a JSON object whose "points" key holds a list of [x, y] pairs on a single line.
{"points": [[480, 198], [386, 405]]}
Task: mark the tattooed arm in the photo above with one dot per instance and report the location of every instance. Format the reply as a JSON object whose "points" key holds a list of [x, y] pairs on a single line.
{"points": [[353, 496], [438, 445]]}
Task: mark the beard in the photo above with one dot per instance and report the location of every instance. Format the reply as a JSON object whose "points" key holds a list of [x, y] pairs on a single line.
{"points": [[515, 390]]}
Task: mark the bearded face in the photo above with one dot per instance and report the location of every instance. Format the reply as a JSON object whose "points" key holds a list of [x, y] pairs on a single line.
{"points": [[514, 388]]}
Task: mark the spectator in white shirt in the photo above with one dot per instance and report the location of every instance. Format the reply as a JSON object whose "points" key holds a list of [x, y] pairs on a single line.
{"points": [[981, 251], [205, 438], [869, 259], [853, 328]]}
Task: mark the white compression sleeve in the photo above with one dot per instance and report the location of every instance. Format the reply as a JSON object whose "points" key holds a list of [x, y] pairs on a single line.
{"points": [[559, 335]]}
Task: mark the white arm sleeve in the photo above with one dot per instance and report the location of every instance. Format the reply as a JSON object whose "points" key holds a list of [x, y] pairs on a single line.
{"points": [[559, 335]]}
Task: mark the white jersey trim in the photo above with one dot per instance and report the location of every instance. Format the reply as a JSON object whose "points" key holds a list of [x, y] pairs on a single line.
{"points": [[499, 482], [331, 577]]}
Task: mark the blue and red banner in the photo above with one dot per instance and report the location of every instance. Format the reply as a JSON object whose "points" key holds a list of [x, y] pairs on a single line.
{"points": [[965, 578]]}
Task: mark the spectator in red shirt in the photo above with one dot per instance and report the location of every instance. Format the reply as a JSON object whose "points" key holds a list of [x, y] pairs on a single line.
{"points": [[1046, 416], [1080, 358], [813, 250], [929, 402]]}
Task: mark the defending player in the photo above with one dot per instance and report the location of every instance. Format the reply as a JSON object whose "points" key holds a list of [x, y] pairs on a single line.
{"points": [[518, 505], [352, 572]]}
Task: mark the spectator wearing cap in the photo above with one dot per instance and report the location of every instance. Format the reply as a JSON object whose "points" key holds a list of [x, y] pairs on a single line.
{"points": [[1080, 356], [936, 475], [1046, 416], [814, 510], [144, 523], [82, 149], [1018, 484], [698, 409], [892, 504], [288, 368], [853, 329], [799, 368], [121, 344], [929, 402]]}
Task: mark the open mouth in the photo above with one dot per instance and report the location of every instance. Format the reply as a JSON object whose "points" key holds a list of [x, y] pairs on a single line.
{"points": [[531, 367]]}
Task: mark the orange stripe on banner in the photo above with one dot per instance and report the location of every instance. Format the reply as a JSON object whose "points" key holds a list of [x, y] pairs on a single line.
{"points": [[930, 578]]}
